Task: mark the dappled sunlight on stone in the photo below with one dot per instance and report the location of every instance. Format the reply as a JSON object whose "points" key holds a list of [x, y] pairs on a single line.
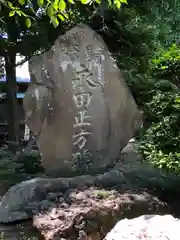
{"points": [[83, 109]]}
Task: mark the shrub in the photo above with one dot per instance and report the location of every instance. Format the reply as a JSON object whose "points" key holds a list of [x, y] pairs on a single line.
{"points": [[30, 162], [19, 167], [167, 64], [160, 142]]}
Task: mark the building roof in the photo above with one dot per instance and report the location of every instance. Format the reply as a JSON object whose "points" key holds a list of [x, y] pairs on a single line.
{"points": [[18, 95], [18, 79]]}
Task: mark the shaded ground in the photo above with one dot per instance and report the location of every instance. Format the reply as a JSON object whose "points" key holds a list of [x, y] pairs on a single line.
{"points": [[19, 231]]}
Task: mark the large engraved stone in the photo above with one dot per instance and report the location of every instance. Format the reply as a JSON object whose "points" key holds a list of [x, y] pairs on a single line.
{"points": [[78, 105]]}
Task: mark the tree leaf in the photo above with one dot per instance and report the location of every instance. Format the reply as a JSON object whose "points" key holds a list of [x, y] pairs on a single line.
{"points": [[71, 1], [118, 3], [60, 16], [11, 13], [63, 16], [24, 14], [40, 3], [21, 2], [123, 1], [50, 11], [28, 22], [85, 1], [54, 21], [62, 5], [18, 12], [55, 4], [11, 5], [32, 10], [66, 16]]}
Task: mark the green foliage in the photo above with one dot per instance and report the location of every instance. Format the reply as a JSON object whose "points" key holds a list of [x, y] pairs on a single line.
{"points": [[160, 142], [167, 64], [29, 162], [20, 167], [139, 35], [57, 10], [143, 38]]}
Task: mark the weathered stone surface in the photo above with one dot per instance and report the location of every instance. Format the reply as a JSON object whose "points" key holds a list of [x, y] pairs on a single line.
{"points": [[78, 105], [146, 227], [28, 198], [91, 213], [25, 199]]}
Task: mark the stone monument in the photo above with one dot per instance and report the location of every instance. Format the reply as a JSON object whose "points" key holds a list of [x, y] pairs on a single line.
{"points": [[78, 105]]}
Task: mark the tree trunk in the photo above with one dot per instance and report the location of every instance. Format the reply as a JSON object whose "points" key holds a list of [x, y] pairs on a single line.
{"points": [[11, 88]]}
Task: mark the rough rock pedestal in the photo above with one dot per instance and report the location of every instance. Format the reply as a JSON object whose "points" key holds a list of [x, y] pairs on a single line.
{"points": [[146, 227], [78, 105]]}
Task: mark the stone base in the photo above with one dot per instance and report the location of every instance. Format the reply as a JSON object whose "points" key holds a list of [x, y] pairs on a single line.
{"points": [[87, 207], [146, 227], [92, 212], [28, 198]]}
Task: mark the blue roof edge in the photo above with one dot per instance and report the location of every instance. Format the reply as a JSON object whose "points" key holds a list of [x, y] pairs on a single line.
{"points": [[18, 79], [18, 95]]}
